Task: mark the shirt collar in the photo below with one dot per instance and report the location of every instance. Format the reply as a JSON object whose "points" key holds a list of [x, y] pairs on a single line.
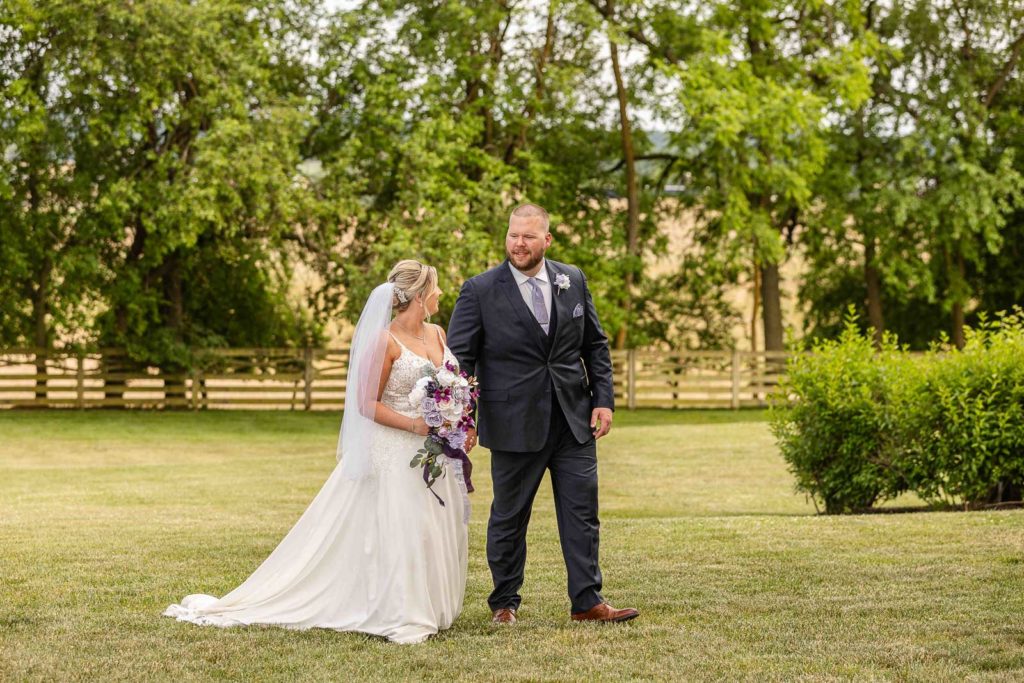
{"points": [[522, 277]]}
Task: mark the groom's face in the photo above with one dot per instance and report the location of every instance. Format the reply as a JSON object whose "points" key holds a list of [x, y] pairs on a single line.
{"points": [[526, 241]]}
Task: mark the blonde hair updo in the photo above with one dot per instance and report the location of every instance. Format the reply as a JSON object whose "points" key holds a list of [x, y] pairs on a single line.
{"points": [[411, 278]]}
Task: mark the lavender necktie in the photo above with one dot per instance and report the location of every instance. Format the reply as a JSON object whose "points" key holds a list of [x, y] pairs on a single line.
{"points": [[540, 311]]}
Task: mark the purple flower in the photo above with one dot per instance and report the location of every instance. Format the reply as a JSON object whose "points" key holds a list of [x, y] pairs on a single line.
{"points": [[457, 439], [433, 419]]}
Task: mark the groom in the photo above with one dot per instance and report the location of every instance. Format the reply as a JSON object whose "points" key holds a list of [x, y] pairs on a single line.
{"points": [[529, 331]]}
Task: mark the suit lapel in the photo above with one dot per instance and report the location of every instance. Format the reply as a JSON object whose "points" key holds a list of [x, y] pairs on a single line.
{"points": [[507, 283], [560, 317]]}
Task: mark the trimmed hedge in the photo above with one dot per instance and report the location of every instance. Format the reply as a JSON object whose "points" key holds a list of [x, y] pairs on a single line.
{"points": [[859, 425]]}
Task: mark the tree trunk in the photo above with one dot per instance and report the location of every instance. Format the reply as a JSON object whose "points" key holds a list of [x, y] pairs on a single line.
{"points": [[540, 66], [40, 297], [114, 388], [771, 307], [174, 389], [175, 296], [958, 325], [756, 308], [873, 282], [956, 281], [495, 51], [632, 191], [40, 329]]}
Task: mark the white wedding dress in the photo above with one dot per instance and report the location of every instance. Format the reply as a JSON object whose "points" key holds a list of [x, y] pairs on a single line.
{"points": [[377, 554]]}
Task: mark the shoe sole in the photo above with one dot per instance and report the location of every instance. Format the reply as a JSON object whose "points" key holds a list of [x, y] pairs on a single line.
{"points": [[619, 620]]}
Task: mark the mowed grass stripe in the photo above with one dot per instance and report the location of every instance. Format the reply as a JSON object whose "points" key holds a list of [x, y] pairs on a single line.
{"points": [[107, 517]]}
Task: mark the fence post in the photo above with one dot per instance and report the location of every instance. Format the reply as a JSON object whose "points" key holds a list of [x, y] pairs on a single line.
{"points": [[735, 379], [194, 374], [41, 385], [631, 379], [80, 381], [307, 378]]}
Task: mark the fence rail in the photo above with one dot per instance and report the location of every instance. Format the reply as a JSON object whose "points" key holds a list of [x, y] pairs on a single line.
{"points": [[314, 379]]}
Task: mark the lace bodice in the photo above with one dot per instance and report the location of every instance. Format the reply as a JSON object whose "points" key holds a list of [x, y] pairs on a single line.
{"points": [[393, 448], [405, 371]]}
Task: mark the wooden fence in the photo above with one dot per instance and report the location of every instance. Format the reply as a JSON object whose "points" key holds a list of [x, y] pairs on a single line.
{"points": [[314, 379]]}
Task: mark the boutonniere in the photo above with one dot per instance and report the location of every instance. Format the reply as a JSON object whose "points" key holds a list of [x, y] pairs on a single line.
{"points": [[562, 282]]}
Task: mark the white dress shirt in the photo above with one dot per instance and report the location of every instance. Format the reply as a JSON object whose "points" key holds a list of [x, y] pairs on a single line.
{"points": [[542, 281]]}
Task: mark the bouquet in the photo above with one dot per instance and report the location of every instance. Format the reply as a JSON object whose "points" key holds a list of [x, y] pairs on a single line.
{"points": [[446, 399]]}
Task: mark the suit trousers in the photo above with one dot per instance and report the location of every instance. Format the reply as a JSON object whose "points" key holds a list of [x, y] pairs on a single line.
{"points": [[516, 477]]}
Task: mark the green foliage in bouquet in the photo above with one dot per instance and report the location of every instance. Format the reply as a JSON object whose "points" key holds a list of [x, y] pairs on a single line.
{"points": [[427, 457]]}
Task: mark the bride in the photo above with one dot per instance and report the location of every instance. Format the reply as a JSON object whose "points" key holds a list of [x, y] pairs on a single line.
{"points": [[374, 552]]}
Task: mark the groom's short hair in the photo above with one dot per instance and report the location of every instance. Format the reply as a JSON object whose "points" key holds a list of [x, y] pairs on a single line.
{"points": [[531, 211]]}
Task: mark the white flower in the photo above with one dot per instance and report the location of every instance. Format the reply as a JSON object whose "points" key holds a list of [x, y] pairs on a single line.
{"points": [[446, 377], [562, 281], [452, 411], [419, 392]]}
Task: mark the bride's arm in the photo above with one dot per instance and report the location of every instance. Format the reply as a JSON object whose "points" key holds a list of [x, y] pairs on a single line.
{"points": [[386, 416]]}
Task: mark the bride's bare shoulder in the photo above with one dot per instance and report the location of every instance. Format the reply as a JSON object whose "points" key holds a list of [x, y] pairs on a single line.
{"points": [[391, 348]]}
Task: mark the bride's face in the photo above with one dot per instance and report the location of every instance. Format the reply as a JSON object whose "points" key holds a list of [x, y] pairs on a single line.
{"points": [[432, 301]]}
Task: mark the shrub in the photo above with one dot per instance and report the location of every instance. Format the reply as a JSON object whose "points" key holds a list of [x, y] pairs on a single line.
{"points": [[974, 423], [833, 420], [859, 425]]}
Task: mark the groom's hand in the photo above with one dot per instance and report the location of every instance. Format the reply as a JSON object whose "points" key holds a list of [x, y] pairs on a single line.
{"points": [[601, 421]]}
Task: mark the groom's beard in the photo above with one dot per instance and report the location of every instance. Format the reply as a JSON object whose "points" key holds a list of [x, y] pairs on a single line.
{"points": [[531, 260]]}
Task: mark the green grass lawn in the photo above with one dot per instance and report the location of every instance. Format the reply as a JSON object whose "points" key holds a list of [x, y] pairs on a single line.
{"points": [[107, 517]]}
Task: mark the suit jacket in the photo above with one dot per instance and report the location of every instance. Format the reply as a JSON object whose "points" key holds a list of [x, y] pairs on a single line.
{"points": [[496, 337]]}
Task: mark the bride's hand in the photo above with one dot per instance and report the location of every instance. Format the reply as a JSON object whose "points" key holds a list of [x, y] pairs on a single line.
{"points": [[418, 426]]}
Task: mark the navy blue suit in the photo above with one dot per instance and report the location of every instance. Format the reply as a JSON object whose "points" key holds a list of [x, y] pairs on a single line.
{"points": [[537, 394]]}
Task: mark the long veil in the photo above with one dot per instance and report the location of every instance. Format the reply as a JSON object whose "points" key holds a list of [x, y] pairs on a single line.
{"points": [[366, 358]]}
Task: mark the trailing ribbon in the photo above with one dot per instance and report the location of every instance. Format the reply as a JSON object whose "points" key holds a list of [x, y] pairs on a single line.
{"points": [[464, 463], [463, 476]]}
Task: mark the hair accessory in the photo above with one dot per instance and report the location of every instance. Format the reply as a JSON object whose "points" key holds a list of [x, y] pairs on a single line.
{"points": [[402, 296]]}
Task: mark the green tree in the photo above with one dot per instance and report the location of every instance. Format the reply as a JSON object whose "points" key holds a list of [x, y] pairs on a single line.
{"points": [[440, 116], [50, 273], [203, 146], [920, 179], [756, 101], [152, 197]]}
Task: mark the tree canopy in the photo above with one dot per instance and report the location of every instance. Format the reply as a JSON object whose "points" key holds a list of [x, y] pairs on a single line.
{"points": [[177, 175]]}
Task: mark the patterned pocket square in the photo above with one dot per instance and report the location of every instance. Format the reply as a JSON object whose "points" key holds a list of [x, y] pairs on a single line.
{"points": [[578, 311]]}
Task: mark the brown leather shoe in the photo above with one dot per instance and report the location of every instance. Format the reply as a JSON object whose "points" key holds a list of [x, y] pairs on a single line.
{"points": [[505, 615], [606, 613]]}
